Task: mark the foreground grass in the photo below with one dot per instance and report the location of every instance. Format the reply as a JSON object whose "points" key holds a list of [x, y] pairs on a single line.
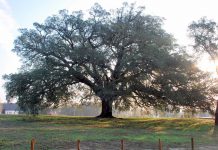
{"points": [[53, 131]]}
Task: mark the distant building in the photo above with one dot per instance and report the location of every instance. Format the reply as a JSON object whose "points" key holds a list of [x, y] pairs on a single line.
{"points": [[1, 108], [9, 109]]}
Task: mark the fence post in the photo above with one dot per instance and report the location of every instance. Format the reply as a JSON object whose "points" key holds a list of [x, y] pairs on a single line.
{"points": [[122, 145], [78, 144], [192, 143], [33, 141], [160, 144]]}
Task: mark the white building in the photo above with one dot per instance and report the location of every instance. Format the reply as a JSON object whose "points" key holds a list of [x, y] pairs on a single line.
{"points": [[10, 109]]}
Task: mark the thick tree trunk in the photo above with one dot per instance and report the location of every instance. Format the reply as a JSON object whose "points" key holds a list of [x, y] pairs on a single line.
{"points": [[216, 114], [106, 111]]}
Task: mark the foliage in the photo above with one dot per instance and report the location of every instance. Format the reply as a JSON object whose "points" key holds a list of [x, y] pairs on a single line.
{"points": [[122, 57], [204, 33]]}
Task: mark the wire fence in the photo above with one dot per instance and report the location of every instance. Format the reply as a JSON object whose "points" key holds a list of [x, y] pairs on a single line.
{"points": [[159, 144], [164, 142]]}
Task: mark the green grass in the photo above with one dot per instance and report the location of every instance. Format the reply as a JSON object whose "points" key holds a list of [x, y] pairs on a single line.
{"points": [[53, 131]]}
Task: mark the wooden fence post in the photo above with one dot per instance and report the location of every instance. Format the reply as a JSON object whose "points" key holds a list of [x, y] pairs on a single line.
{"points": [[160, 144], [192, 143], [122, 145], [33, 141], [78, 144]]}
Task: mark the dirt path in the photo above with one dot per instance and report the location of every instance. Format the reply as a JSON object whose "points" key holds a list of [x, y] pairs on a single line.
{"points": [[133, 146], [198, 148]]}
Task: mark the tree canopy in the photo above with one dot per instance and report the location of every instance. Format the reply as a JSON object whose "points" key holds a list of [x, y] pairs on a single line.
{"points": [[121, 56], [204, 34]]}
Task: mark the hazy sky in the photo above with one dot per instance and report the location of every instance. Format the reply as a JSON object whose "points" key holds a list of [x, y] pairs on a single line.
{"points": [[15, 14]]}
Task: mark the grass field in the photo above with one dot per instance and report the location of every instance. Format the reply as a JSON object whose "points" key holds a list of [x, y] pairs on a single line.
{"points": [[61, 132]]}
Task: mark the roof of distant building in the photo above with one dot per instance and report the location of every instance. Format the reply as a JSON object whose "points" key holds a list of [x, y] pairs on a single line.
{"points": [[10, 106]]}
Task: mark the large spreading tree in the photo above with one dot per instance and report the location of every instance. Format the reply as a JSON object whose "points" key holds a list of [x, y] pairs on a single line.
{"points": [[122, 56]]}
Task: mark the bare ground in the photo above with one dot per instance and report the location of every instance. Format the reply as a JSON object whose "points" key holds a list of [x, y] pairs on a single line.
{"points": [[130, 146]]}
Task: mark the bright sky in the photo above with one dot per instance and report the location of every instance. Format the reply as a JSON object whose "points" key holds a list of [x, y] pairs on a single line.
{"points": [[15, 14]]}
